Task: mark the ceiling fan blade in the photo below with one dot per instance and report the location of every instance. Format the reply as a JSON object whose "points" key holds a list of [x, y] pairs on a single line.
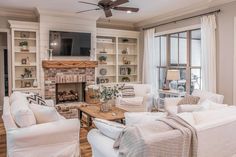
{"points": [[119, 2], [126, 9], [88, 10], [87, 3], [108, 13]]}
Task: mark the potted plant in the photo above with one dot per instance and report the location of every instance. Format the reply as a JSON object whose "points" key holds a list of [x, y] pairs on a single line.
{"points": [[107, 95], [24, 45], [103, 59]]}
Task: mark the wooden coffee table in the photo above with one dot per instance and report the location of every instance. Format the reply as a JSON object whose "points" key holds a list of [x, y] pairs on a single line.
{"points": [[93, 111]]}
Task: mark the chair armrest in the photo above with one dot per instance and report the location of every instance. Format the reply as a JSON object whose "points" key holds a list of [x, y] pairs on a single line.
{"points": [[148, 101], [50, 102], [62, 131]]}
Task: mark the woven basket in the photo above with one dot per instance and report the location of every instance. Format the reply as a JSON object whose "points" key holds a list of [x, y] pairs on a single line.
{"points": [[91, 96]]}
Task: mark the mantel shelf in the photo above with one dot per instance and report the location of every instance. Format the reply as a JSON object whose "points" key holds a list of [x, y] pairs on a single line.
{"points": [[68, 64]]}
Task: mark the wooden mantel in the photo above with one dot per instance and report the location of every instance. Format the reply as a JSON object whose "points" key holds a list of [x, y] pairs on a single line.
{"points": [[68, 64]]}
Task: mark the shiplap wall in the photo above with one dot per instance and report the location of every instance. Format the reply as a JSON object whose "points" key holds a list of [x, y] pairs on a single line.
{"points": [[63, 23]]}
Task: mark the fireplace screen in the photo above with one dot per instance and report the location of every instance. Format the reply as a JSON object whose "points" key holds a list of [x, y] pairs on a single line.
{"points": [[70, 92]]}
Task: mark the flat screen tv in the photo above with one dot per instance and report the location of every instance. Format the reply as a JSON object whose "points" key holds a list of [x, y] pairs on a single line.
{"points": [[70, 43]]}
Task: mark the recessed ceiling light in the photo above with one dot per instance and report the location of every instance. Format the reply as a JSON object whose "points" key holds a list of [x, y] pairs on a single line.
{"points": [[129, 12]]}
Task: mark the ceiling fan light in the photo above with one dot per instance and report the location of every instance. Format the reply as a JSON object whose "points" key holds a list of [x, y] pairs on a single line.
{"points": [[129, 12]]}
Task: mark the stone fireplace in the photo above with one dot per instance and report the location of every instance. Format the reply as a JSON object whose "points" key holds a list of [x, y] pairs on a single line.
{"points": [[68, 78]]}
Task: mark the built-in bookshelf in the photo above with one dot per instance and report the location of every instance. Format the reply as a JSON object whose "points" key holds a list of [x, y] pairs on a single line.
{"points": [[118, 56], [25, 58]]}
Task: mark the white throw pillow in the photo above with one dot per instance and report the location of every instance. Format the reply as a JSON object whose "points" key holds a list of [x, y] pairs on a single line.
{"points": [[109, 128], [22, 114], [16, 96], [44, 114]]}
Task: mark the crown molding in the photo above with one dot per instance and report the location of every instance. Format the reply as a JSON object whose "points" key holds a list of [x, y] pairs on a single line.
{"points": [[181, 12], [12, 12], [40, 12]]}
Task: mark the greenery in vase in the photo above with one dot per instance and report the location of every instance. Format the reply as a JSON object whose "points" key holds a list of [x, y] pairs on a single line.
{"points": [[23, 43], [109, 93]]}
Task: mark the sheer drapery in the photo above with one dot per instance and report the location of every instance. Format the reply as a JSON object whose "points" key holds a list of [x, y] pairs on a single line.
{"points": [[208, 45], [150, 74]]}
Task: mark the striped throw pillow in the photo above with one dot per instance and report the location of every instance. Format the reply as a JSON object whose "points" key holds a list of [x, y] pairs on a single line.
{"points": [[190, 100], [128, 92]]}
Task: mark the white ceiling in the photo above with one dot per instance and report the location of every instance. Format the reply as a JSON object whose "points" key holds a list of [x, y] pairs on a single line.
{"points": [[148, 8]]}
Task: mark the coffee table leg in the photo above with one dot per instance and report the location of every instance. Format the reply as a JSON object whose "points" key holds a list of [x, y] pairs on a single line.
{"points": [[88, 121], [80, 113]]}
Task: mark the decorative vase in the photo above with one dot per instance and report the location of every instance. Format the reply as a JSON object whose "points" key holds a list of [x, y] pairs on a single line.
{"points": [[35, 83], [106, 106]]}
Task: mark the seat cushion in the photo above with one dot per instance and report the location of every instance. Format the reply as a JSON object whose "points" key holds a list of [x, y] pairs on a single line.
{"points": [[44, 114], [21, 113], [136, 101]]}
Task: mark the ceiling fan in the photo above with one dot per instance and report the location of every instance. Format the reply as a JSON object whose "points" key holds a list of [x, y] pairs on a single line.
{"points": [[108, 5]]}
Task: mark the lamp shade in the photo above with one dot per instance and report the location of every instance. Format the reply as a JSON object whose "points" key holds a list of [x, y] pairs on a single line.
{"points": [[173, 75]]}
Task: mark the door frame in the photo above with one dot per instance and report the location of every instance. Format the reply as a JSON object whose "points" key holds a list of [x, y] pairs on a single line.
{"points": [[234, 68], [6, 30]]}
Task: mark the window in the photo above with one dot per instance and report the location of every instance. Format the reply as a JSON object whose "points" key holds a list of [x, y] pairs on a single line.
{"points": [[181, 51]]}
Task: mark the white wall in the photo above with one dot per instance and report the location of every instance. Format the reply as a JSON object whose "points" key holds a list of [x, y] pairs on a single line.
{"points": [[63, 23]]}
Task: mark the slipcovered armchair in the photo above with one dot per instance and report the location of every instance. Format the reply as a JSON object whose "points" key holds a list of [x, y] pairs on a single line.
{"points": [[57, 138]]}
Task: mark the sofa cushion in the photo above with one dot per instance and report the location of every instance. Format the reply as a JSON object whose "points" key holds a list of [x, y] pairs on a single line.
{"points": [[214, 115], [21, 113], [44, 114], [136, 101], [188, 117], [109, 128], [188, 108]]}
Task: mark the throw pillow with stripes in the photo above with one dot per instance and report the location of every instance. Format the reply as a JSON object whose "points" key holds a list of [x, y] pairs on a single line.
{"points": [[128, 92]]}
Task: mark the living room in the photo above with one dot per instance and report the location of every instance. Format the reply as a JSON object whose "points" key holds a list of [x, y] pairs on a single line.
{"points": [[107, 78]]}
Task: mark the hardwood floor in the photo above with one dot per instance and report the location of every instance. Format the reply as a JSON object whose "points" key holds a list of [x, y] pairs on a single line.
{"points": [[84, 145]]}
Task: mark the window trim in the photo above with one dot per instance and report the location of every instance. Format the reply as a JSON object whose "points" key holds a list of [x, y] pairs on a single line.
{"points": [[188, 67]]}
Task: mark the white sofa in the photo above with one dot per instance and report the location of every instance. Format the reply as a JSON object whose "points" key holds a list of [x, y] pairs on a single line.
{"points": [[53, 139], [215, 130], [142, 102], [170, 104]]}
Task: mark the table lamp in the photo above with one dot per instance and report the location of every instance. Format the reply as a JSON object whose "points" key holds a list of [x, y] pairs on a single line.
{"points": [[172, 75]]}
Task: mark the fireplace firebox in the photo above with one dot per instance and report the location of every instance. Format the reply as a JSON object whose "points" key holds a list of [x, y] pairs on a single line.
{"points": [[70, 92]]}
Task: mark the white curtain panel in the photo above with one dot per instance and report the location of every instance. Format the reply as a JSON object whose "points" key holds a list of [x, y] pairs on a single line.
{"points": [[208, 44], [150, 74]]}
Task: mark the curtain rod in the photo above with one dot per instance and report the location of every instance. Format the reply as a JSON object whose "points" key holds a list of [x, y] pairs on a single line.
{"points": [[212, 12]]}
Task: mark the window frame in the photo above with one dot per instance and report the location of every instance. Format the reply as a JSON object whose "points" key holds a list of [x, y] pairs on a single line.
{"points": [[188, 67]]}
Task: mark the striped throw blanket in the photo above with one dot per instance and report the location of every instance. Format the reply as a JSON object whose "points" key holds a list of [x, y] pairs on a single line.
{"points": [[167, 137]]}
